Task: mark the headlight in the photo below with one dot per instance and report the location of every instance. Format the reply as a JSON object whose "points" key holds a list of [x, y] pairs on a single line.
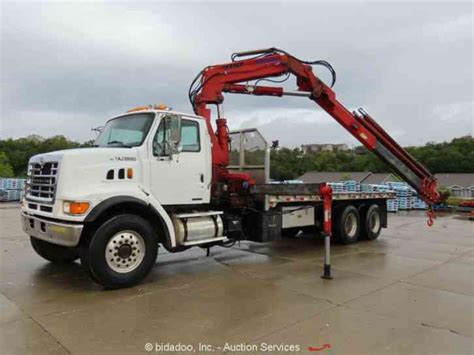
{"points": [[75, 207]]}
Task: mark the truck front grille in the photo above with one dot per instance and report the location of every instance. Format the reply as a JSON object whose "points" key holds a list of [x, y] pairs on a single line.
{"points": [[41, 182]]}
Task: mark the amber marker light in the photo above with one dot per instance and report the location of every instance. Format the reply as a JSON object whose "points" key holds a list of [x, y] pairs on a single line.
{"points": [[75, 207]]}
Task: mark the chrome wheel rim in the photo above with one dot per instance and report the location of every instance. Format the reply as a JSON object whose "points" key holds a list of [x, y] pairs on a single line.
{"points": [[125, 251], [350, 225], [374, 222]]}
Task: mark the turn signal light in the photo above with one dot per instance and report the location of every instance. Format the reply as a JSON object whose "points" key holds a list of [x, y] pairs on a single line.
{"points": [[130, 173], [75, 207]]}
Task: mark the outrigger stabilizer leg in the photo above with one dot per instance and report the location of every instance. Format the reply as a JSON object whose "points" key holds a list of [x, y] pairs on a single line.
{"points": [[325, 192]]}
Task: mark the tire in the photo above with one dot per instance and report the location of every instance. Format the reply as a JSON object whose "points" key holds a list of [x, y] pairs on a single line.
{"points": [[290, 232], [347, 225], [372, 223], [84, 256], [121, 252], [54, 253]]}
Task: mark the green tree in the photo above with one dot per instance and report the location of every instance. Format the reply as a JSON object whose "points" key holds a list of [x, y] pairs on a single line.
{"points": [[6, 170], [456, 156]]}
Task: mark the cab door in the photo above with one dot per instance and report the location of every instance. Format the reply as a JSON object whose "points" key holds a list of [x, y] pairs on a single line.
{"points": [[180, 170]]}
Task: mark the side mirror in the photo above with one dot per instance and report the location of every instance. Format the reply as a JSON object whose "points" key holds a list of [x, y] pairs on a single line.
{"points": [[170, 131], [173, 126]]}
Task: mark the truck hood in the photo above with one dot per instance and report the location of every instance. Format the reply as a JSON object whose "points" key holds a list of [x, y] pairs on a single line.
{"points": [[91, 174], [92, 154], [83, 173]]}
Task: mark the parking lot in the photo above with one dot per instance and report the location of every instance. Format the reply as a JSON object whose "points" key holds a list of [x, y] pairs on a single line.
{"points": [[411, 292]]}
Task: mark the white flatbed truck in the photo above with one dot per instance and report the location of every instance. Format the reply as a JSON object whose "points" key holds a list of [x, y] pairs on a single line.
{"points": [[161, 177]]}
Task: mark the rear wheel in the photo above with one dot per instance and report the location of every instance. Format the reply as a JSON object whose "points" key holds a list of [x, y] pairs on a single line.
{"points": [[346, 225], [121, 252], [372, 223], [290, 232], [54, 253]]}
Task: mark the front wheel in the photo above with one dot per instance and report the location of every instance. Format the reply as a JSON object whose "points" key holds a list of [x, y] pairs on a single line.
{"points": [[54, 253], [121, 252]]}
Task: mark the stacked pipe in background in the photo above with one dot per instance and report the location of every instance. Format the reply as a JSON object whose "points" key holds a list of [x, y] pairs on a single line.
{"points": [[406, 197], [11, 189]]}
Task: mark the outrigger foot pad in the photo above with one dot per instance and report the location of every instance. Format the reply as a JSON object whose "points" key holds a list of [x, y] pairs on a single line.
{"points": [[327, 272]]}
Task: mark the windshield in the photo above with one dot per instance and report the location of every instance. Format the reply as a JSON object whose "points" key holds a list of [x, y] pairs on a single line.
{"points": [[125, 131]]}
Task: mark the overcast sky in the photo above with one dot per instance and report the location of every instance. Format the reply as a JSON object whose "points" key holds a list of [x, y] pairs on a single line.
{"points": [[66, 67]]}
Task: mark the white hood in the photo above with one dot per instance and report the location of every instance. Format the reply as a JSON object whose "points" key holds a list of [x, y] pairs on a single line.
{"points": [[82, 172], [90, 154]]}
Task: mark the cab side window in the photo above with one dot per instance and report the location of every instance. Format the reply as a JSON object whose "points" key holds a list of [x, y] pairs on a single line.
{"points": [[190, 136]]}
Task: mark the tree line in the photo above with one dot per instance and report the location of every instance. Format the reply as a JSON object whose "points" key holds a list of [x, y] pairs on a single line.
{"points": [[456, 156], [15, 153]]}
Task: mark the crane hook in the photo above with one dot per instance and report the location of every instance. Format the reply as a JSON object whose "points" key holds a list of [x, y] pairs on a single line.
{"points": [[431, 215]]}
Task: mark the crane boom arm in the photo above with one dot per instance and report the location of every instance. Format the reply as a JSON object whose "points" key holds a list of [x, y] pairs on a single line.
{"points": [[229, 78]]}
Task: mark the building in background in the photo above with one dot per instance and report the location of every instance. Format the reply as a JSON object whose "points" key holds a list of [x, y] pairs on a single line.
{"points": [[379, 178], [460, 185], [315, 148]]}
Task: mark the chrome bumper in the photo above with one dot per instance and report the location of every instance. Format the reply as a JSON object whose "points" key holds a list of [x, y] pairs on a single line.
{"points": [[67, 235]]}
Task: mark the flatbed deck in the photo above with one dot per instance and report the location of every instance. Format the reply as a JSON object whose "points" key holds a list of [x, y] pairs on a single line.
{"points": [[277, 194]]}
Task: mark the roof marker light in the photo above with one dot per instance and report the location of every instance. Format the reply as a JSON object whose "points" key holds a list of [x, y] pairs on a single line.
{"points": [[150, 107]]}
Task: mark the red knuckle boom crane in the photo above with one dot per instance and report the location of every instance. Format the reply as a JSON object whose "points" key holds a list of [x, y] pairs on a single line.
{"points": [[209, 86]]}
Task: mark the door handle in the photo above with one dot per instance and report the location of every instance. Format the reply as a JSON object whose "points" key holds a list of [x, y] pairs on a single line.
{"points": [[201, 177]]}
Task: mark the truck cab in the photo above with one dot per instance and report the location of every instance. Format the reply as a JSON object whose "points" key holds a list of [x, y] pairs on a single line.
{"points": [[163, 154], [143, 163]]}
